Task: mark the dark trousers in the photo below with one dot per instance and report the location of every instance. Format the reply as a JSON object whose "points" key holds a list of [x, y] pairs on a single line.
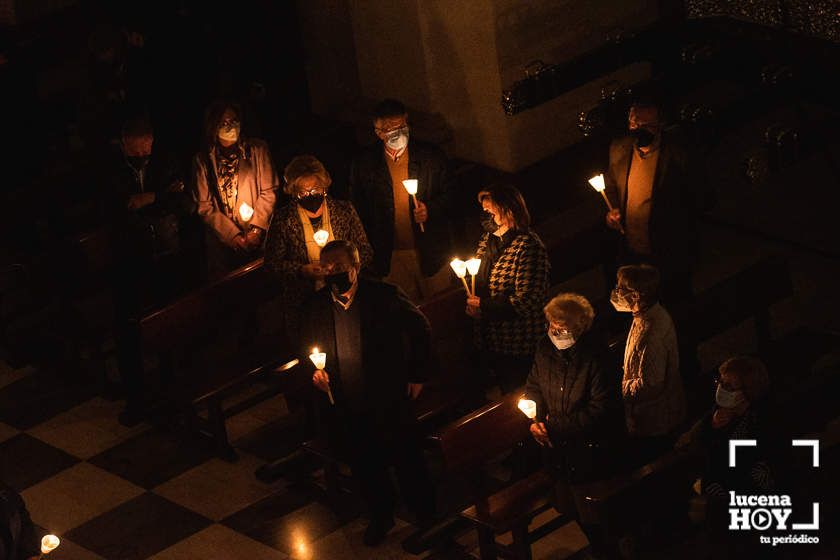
{"points": [[372, 447]]}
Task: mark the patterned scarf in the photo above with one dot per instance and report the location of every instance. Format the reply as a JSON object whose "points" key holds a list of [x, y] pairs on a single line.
{"points": [[227, 171]]}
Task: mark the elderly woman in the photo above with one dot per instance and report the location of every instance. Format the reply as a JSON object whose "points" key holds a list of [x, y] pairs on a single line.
{"points": [[235, 189], [651, 387], [299, 230], [512, 282], [576, 395]]}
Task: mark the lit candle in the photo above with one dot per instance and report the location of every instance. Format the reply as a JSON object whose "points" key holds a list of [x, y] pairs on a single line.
{"points": [[472, 267], [597, 183], [319, 359], [49, 543], [246, 212], [411, 186], [460, 269], [321, 236], [529, 408]]}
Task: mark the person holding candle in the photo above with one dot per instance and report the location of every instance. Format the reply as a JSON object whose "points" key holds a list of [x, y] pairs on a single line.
{"points": [[576, 394], [378, 350], [292, 249], [511, 287], [578, 420], [18, 538], [651, 387], [229, 171], [655, 187], [413, 258]]}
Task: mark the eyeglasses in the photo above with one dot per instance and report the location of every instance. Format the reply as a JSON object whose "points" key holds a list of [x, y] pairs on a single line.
{"points": [[229, 123], [315, 191]]}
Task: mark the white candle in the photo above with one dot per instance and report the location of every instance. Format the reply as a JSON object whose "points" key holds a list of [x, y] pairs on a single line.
{"points": [[411, 186], [460, 269], [246, 212], [472, 267], [319, 359], [598, 184], [321, 236], [529, 408], [49, 543]]}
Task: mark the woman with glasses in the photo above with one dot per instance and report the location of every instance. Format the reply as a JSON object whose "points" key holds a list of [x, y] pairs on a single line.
{"points": [[299, 230], [651, 387], [235, 189], [511, 287], [578, 422]]}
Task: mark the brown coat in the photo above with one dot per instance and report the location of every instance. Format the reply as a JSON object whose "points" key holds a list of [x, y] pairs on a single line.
{"points": [[257, 185]]}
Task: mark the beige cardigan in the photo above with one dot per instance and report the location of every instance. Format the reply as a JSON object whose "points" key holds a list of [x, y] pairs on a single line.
{"points": [[257, 186]]}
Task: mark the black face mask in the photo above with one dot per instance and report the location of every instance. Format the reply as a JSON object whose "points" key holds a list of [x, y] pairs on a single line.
{"points": [[488, 223], [643, 136], [311, 202], [339, 282], [138, 162]]}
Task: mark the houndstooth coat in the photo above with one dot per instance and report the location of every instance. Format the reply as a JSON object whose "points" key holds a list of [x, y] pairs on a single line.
{"points": [[520, 273]]}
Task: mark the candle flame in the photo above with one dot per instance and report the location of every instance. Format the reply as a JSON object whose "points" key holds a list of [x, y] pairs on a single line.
{"points": [[321, 236], [410, 185], [246, 212], [459, 267], [473, 266], [319, 359], [49, 543], [597, 182], [528, 407]]}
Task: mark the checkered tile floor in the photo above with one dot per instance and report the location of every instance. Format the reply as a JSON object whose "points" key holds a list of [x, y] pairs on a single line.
{"points": [[131, 493]]}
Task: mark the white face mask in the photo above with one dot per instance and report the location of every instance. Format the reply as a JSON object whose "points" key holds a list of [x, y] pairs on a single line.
{"points": [[562, 341], [398, 139], [229, 133], [619, 302], [727, 399]]}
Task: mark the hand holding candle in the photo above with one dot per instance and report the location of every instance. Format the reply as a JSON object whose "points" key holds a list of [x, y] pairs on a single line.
{"points": [[598, 184], [411, 186], [321, 236], [459, 267], [48, 544], [319, 359]]}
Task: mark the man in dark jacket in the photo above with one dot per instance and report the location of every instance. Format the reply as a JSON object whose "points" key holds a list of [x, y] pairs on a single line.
{"points": [[411, 242], [377, 346], [656, 190]]}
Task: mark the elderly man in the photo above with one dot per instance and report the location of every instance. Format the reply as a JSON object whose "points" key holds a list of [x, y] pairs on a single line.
{"points": [[655, 189], [652, 388], [413, 258], [377, 346]]}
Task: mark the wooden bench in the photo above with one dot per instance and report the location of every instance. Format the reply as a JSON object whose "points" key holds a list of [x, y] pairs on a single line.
{"points": [[181, 332], [467, 445]]}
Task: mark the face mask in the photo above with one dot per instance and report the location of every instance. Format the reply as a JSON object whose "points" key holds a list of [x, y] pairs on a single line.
{"points": [[311, 202], [339, 282], [229, 133], [643, 136], [727, 399], [138, 162], [619, 302], [398, 139], [562, 341], [488, 223]]}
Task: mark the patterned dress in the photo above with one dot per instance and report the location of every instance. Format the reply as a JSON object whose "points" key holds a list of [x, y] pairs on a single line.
{"points": [[519, 274]]}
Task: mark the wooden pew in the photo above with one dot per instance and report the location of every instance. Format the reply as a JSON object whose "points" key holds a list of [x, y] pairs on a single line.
{"points": [[204, 381], [474, 440]]}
